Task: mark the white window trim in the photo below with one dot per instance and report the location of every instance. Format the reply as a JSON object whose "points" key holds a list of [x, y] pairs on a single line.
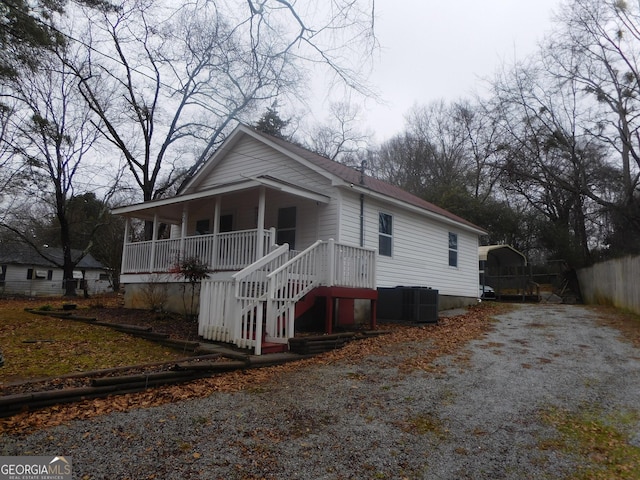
{"points": [[449, 250], [386, 234]]}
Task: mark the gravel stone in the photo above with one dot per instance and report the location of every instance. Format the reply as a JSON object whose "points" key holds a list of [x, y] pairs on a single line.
{"points": [[479, 418]]}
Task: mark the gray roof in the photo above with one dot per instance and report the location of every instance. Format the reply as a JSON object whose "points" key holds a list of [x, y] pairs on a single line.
{"points": [[24, 254]]}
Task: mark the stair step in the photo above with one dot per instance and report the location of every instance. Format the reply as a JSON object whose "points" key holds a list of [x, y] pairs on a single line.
{"points": [[269, 347]]}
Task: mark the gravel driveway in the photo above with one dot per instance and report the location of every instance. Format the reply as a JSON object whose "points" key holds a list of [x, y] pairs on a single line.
{"points": [[476, 419]]}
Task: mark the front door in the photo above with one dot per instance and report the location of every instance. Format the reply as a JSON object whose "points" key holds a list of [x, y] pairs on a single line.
{"points": [[226, 223], [286, 229]]}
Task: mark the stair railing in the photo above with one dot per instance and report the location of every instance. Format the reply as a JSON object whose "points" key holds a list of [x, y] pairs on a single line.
{"points": [[290, 283], [267, 291], [251, 295]]}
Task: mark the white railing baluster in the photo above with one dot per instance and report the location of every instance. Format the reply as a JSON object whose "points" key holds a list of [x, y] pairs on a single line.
{"points": [[250, 291], [233, 310], [216, 310], [324, 263], [222, 251]]}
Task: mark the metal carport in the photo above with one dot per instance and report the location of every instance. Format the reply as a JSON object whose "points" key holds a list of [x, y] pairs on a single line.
{"points": [[505, 269]]}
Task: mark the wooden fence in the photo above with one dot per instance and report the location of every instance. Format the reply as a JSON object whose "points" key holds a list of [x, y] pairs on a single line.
{"points": [[614, 282]]}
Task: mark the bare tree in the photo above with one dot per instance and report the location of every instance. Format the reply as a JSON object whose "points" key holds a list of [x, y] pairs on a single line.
{"points": [[482, 142], [168, 82], [430, 159], [12, 170], [550, 157], [340, 138], [569, 118], [53, 135], [598, 48]]}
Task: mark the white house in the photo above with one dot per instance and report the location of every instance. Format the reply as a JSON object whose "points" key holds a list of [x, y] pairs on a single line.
{"points": [[280, 226], [25, 272]]}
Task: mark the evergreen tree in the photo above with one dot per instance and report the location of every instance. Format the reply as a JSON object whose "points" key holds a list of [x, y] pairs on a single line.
{"points": [[271, 123]]}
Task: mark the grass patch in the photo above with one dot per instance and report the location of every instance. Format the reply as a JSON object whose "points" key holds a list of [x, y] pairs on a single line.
{"points": [[37, 346], [426, 423], [602, 443], [628, 323]]}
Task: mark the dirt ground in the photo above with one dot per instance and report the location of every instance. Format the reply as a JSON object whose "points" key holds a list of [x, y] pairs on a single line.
{"points": [[417, 406]]}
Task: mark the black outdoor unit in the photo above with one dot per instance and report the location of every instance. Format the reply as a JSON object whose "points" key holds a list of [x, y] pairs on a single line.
{"points": [[408, 304]]}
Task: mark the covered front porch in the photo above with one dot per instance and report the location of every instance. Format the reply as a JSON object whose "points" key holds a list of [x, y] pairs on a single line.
{"points": [[260, 240], [227, 228]]}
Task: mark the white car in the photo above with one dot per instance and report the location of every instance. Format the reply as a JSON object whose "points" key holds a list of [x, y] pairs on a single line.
{"points": [[486, 292]]}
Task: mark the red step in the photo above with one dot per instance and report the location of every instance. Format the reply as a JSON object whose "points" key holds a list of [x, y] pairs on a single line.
{"points": [[305, 303], [269, 347]]}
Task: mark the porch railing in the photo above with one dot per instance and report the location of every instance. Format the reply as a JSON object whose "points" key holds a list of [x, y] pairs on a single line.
{"points": [[266, 292], [222, 251]]}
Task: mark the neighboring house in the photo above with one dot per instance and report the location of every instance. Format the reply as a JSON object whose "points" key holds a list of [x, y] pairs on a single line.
{"points": [[261, 200], [25, 272]]}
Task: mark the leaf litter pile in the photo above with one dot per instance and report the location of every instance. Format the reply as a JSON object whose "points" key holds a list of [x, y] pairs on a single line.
{"points": [[399, 344]]}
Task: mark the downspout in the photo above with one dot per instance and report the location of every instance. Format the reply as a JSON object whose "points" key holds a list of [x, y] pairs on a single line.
{"points": [[362, 167], [362, 220]]}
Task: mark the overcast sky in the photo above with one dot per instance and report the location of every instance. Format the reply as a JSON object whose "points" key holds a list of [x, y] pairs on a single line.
{"points": [[440, 49]]}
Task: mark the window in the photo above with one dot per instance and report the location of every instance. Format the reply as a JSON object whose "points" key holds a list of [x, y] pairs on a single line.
{"points": [[286, 232], [385, 234], [49, 274], [29, 273], [226, 223], [72, 281], [453, 249], [202, 227]]}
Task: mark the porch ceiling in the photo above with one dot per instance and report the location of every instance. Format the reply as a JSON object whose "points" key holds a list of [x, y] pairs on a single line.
{"points": [[170, 210]]}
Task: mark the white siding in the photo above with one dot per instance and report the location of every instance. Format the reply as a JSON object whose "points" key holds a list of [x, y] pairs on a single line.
{"points": [[17, 283], [328, 218], [313, 220], [420, 254], [94, 284], [420, 244], [241, 205], [350, 219], [250, 158], [306, 216]]}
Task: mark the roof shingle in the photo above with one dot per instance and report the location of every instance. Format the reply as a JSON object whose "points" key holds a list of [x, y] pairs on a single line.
{"points": [[354, 176]]}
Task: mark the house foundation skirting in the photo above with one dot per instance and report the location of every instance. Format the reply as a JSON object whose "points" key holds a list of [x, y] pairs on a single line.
{"points": [[448, 302], [166, 296]]}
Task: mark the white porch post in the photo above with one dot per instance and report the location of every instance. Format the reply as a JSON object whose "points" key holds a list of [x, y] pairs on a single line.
{"points": [[125, 243], [154, 239], [331, 262], [183, 230], [260, 226], [272, 239], [216, 231]]}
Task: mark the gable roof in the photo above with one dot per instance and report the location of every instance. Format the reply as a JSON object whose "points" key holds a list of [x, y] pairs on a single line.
{"points": [[351, 176], [339, 174], [24, 254]]}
